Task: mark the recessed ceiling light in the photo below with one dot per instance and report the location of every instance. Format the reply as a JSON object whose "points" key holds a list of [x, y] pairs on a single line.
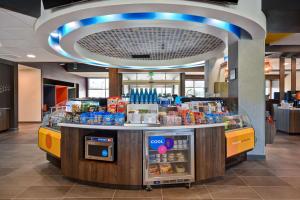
{"points": [[31, 56]]}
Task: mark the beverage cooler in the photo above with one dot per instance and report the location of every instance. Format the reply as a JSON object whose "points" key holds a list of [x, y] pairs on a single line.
{"points": [[168, 157]]}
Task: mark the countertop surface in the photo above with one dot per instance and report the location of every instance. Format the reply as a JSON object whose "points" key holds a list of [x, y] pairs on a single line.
{"points": [[140, 127], [289, 108]]}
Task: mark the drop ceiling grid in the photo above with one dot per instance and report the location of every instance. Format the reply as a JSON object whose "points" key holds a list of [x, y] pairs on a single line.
{"points": [[160, 43]]}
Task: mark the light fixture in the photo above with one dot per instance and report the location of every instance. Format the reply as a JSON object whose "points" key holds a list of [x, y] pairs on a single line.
{"points": [[31, 56], [54, 39], [286, 64], [268, 66]]}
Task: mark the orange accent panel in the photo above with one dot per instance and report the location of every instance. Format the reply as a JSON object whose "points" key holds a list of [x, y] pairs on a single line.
{"points": [[274, 37], [61, 93], [239, 141]]}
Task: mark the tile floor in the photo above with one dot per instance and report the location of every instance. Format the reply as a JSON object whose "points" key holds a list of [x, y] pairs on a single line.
{"points": [[25, 174]]}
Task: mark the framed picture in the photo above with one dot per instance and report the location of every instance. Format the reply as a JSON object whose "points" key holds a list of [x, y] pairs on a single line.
{"points": [[232, 74]]}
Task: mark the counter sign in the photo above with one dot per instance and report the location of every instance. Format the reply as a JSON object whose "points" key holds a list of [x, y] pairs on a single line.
{"points": [[156, 141]]}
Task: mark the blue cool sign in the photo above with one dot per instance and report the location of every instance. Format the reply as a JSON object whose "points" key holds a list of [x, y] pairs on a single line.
{"points": [[156, 141], [104, 153]]}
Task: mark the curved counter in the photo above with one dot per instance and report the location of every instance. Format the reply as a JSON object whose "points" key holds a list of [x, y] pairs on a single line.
{"points": [[126, 171], [132, 127], [287, 120]]}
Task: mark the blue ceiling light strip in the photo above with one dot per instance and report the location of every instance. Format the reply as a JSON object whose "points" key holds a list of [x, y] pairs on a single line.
{"points": [[56, 36]]}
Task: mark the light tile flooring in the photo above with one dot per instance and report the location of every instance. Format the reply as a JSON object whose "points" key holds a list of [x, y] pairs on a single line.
{"points": [[25, 174]]}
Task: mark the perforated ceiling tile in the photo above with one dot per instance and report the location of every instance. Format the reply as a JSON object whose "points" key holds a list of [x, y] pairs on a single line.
{"points": [[150, 43]]}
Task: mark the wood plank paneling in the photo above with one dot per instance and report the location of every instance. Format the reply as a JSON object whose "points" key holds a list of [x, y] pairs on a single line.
{"points": [[210, 153], [126, 170]]}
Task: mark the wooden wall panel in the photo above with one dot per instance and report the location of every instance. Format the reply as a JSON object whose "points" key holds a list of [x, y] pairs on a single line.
{"points": [[126, 170], [210, 153]]}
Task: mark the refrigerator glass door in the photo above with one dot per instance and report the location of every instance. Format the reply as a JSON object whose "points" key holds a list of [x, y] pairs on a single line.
{"points": [[169, 157]]}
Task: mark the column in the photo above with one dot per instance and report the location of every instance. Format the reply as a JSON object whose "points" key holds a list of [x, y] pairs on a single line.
{"points": [[182, 84], [293, 75], [281, 77], [115, 82], [247, 58]]}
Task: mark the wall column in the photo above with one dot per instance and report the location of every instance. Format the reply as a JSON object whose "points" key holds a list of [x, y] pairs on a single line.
{"points": [[115, 82], [294, 75], [281, 77], [247, 58], [182, 84]]}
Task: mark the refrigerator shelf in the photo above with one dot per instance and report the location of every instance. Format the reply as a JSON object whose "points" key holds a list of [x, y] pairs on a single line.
{"points": [[169, 175], [150, 150], [157, 163]]}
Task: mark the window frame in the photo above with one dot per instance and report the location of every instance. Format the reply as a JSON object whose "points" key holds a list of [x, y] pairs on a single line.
{"points": [[193, 88], [106, 87]]}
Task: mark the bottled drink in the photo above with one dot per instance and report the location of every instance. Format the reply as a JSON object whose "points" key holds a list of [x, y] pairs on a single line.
{"points": [[132, 96], [150, 99], [155, 96], [142, 96], [146, 96], [137, 96]]}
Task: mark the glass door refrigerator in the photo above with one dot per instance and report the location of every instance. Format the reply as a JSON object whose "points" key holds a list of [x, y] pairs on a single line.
{"points": [[168, 157]]}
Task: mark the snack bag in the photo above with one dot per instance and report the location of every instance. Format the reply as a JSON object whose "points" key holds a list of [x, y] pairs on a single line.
{"points": [[121, 106], [112, 103]]}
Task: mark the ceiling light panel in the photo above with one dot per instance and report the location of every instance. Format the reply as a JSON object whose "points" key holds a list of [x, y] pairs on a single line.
{"points": [[150, 43]]}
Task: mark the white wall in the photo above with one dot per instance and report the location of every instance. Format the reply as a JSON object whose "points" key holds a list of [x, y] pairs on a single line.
{"points": [[213, 73], [30, 94], [56, 72]]}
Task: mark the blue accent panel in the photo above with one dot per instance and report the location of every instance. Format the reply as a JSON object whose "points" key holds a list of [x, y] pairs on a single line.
{"points": [[67, 28]]}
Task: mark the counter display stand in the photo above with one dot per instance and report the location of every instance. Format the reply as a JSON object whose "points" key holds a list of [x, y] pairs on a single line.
{"points": [[240, 139], [141, 156]]}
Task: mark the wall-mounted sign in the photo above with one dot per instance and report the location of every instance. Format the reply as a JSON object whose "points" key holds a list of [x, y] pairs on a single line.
{"points": [[4, 88], [232, 74]]}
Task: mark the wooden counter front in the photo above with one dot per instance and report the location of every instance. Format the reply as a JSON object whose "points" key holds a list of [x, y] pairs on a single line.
{"points": [[288, 120], [127, 170]]}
